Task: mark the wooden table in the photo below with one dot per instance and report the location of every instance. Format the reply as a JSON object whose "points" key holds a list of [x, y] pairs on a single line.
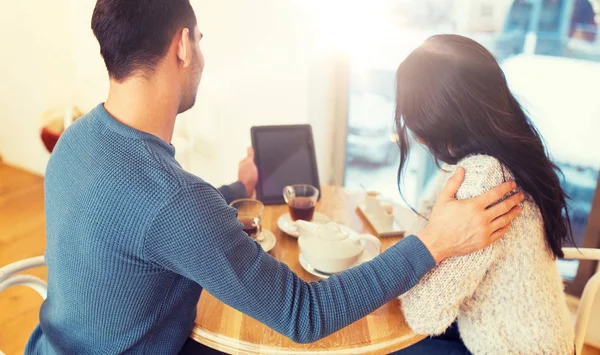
{"points": [[225, 329]]}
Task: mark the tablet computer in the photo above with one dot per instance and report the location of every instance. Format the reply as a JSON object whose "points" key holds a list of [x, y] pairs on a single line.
{"points": [[284, 155]]}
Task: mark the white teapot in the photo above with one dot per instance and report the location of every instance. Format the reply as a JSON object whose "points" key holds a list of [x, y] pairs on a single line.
{"points": [[333, 248]]}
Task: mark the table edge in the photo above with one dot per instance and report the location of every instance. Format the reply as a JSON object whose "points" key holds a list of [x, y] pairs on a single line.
{"points": [[231, 345]]}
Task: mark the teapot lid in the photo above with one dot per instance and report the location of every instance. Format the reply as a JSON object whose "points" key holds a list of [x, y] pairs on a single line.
{"points": [[332, 231]]}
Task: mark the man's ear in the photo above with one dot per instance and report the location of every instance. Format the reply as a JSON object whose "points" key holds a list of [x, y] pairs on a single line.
{"points": [[184, 48]]}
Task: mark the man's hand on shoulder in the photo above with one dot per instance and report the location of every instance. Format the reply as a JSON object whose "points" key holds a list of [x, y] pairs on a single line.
{"points": [[248, 173], [458, 227]]}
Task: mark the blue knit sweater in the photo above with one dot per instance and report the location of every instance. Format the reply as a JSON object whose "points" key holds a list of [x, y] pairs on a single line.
{"points": [[133, 239]]}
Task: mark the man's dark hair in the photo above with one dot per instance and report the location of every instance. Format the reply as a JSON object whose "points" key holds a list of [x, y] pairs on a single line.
{"points": [[134, 35]]}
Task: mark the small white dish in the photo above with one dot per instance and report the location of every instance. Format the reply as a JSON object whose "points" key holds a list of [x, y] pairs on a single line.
{"points": [[402, 219], [366, 256], [286, 224], [268, 240]]}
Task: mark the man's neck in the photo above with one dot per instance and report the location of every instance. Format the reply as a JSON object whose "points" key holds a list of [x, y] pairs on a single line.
{"points": [[146, 105]]}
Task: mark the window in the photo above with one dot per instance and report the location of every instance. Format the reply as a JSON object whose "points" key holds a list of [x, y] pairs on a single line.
{"points": [[550, 53]]}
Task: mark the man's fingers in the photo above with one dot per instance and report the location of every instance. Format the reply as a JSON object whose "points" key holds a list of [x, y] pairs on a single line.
{"points": [[452, 186], [499, 233], [504, 206], [496, 193], [505, 220], [250, 152]]}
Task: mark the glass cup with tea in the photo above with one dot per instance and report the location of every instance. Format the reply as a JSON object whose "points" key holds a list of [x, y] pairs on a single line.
{"points": [[302, 200], [250, 215]]}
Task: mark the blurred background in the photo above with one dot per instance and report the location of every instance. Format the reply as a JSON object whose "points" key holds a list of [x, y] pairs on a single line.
{"points": [[329, 63]]}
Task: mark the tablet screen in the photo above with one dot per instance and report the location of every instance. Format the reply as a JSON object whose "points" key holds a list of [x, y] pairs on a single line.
{"points": [[285, 156]]}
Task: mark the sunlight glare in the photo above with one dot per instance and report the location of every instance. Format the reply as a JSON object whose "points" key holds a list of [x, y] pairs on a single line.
{"points": [[351, 26]]}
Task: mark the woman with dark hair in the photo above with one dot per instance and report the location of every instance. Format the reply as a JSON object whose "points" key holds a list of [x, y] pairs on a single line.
{"points": [[453, 98]]}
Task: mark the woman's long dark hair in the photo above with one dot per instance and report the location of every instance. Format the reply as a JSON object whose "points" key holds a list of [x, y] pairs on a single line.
{"points": [[453, 96]]}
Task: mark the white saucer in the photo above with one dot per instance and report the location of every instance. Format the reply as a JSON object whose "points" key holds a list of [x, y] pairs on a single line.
{"points": [[367, 256], [269, 241], [285, 223]]}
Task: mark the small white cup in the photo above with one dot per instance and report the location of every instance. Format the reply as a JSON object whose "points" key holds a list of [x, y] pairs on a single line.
{"points": [[386, 218], [373, 203]]}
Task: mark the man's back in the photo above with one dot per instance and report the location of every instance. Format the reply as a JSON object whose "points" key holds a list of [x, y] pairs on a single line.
{"points": [[104, 185]]}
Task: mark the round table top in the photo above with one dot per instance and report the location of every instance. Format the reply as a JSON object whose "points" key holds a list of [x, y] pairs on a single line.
{"points": [[382, 332]]}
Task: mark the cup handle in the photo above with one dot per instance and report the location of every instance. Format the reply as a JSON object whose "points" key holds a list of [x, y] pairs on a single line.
{"points": [[259, 236], [371, 243]]}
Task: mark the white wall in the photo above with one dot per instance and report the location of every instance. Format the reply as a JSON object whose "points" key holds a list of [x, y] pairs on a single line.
{"points": [[264, 66], [91, 78], [36, 64]]}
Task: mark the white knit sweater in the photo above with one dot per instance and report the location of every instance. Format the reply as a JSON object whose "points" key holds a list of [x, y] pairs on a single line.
{"points": [[509, 297]]}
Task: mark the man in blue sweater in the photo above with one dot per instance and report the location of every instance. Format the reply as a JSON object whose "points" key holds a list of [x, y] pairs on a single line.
{"points": [[133, 239]]}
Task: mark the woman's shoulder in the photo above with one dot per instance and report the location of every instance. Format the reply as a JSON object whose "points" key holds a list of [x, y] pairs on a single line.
{"points": [[482, 173], [480, 162]]}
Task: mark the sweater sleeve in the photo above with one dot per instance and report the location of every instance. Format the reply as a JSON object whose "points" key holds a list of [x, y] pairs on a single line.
{"points": [[197, 235], [432, 306], [428, 201], [233, 192]]}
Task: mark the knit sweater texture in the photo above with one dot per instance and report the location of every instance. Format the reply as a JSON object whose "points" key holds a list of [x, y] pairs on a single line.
{"points": [[508, 298], [133, 239]]}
